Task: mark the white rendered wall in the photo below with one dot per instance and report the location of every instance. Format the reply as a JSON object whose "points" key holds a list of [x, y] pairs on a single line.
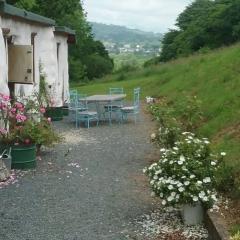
{"points": [[62, 86], [3, 65], [45, 53]]}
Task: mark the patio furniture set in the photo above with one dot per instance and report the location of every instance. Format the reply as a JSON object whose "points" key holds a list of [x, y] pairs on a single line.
{"points": [[86, 109]]}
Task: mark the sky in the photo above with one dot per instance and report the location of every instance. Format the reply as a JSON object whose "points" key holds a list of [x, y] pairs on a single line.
{"points": [[147, 15]]}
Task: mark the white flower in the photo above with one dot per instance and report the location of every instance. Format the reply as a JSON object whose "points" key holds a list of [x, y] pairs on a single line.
{"points": [[171, 162], [170, 187], [179, 184], [202, 194], [182, 158], [180, 162], [214, 197], [192, 176], [155, 177], [213, 163], [170, 198], [199, 182], [186, 183], [162, 150], [181, 189], [158, 172], [205, 199], [223, 154], [164, 202], [153, 136], [144, 170], [195, 198], [177, 196], [175, 148], [206, 142], [161, 195], [173, 194], [207, 180]]}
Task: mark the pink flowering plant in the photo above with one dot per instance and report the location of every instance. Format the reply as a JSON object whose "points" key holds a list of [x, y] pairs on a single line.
{"points": [[18, 127], [185, 173], [11, 115]]}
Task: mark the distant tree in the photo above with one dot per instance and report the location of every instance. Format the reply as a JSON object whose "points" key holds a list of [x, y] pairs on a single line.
{"points": [[204, 24]]}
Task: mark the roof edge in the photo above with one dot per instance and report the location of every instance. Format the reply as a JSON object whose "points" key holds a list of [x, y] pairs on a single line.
{"points": [[63, 29]]}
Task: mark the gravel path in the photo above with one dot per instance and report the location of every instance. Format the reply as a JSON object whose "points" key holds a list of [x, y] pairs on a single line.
{"points": [[90, 187]]}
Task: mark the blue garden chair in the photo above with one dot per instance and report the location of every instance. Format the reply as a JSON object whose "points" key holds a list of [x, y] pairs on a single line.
{"points": [[75, 104], [115, 106], [83, 114], [134, 109]]}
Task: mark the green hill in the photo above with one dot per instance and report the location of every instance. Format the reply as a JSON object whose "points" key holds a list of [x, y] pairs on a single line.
{"points": [[213, 77], [124, 35]]}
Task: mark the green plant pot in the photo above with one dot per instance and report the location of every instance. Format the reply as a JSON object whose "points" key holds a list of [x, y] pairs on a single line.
{"points": [[23, 157], [65, 111], [55, 113]]}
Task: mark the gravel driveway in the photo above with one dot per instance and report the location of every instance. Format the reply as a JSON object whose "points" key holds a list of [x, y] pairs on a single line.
{"points": [[90, 187]]}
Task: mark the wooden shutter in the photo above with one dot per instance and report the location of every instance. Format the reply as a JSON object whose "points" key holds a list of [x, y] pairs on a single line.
{"points": [[20, 64]]}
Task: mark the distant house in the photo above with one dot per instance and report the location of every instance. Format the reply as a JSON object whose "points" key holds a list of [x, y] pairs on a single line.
{"points": [[31, 44]]}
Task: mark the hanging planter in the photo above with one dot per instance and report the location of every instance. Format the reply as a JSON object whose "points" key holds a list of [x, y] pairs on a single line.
{"points": [[55, 113], [23, 157], [192, 214]]}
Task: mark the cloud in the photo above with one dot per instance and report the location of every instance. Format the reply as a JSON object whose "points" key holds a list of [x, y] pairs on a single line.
{"points": [[151, 15]]}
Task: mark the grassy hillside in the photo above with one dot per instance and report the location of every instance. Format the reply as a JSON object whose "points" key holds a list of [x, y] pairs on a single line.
{"points": [[213, 77]]}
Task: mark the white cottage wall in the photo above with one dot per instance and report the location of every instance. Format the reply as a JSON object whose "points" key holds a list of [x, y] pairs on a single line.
{"points": [[62, 86], [44, 51], [3, 65]]}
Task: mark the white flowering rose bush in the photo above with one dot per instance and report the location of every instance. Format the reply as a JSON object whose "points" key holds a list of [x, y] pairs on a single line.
{"points": [[185, 173]]}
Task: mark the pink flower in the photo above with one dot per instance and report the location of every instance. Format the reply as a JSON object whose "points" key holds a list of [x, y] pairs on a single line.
{"points": [[21, 118], [49, 119], [18, 105], [13, 110], [5, 98], [42, 110], [3, 106]]}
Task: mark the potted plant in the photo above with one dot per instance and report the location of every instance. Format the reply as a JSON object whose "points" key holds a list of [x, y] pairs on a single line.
{"points": [[17, 132], [185, 176]]}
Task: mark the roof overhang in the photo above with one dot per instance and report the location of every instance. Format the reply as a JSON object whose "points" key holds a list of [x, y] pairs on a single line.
{"points": [[9, 10], [68, 32]]}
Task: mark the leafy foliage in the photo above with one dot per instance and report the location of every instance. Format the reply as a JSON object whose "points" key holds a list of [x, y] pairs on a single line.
{"points": [[204, 24]]}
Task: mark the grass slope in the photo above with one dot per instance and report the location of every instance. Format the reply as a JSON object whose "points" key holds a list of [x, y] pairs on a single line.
{"points": [[213, 77]]}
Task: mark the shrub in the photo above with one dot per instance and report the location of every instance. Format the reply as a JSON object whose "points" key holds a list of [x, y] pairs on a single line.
{"points": [[190, 113], [185, 173]]}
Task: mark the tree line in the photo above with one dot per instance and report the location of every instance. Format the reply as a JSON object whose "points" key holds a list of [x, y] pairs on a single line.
{"points": [[202, 26], [88, 58]]}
